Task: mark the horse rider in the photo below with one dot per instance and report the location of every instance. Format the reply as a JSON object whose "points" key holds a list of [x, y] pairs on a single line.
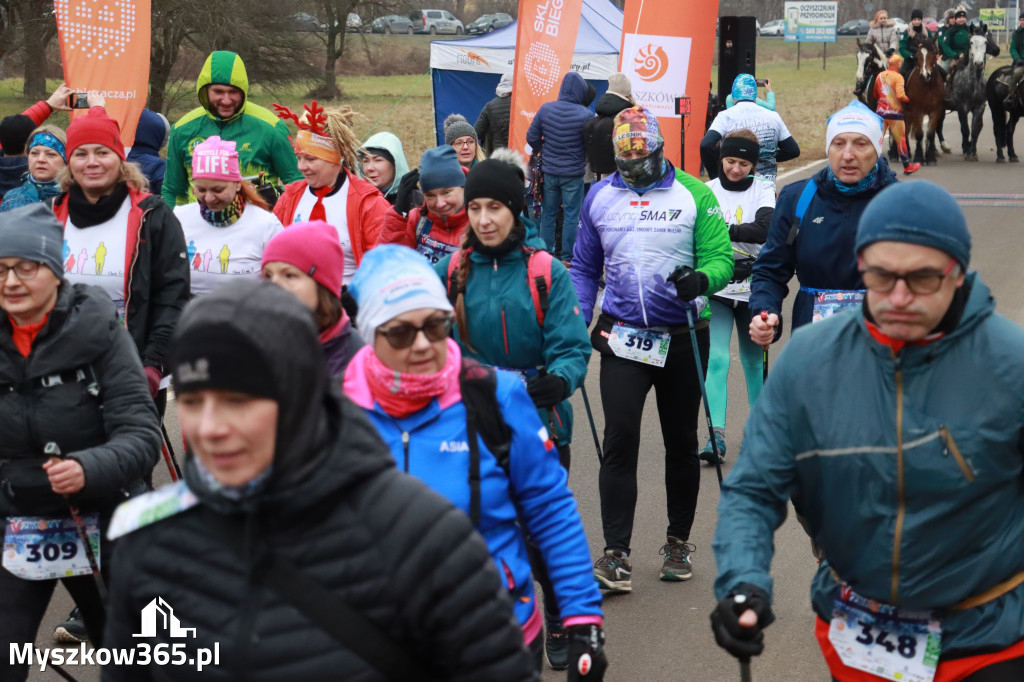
{"points": [[955, 41], [916, 34], [891, 98], [882, 34], [1017, 55]]}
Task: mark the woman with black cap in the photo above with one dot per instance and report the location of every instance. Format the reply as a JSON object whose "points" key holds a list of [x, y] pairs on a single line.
{"points": [[292, 542], [78, 428], [748, 202]]}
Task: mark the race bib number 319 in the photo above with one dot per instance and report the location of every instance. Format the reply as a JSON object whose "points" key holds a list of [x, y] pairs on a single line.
{"points": [[884, 640], [639, 345]]}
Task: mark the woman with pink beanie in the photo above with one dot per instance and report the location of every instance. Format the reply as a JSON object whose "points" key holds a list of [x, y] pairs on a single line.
{"points": [[307, 260], [229, 220]]}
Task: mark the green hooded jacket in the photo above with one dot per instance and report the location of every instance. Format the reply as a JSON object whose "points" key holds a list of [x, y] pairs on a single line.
{"points": [[955, 41], [262, 138], [391, 143]]}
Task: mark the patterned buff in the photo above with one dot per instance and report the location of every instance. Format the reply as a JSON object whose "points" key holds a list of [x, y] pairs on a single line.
{"points": [[744, 88], [636, 129], [314, 144], [228, 215], [51, 141]]}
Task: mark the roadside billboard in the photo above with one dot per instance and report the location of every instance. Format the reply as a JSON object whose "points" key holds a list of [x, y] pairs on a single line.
{"points": [[812, 22]]}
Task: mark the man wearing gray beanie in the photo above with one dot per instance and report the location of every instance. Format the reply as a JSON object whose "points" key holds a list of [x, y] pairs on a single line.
{"points": [[895, 429]]}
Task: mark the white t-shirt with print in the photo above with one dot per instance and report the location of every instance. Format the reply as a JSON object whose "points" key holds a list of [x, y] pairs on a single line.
{"points": [[95, 255], [739, 208], [767, 125], [334, 208], [217, 253]]}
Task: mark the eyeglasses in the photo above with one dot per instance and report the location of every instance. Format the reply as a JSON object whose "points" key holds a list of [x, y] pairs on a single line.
{"points": [[925, 281], [23, 270], [466, 143], [402, 335]]}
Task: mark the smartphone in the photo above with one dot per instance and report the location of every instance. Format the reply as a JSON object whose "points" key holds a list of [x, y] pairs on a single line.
{"points": [[78, 100], [761, 82]]}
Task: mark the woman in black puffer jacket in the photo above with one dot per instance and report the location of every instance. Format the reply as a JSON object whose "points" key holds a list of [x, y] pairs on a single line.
{"points": [[71, 383], [284, 472]]}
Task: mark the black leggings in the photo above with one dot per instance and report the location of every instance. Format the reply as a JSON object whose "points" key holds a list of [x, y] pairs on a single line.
{"points": [[624, 388], [1004, 671]]}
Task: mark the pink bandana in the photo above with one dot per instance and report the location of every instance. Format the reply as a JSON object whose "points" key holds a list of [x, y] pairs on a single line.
{"points": [[401, 394]]}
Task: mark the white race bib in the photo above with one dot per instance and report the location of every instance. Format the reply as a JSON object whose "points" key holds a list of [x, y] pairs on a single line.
{"points": [[640, 345], [885, 640], [829, 302], [49, 548]]}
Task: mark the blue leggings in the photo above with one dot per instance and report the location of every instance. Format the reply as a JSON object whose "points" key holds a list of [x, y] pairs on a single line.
{"points": [[723, 317]]}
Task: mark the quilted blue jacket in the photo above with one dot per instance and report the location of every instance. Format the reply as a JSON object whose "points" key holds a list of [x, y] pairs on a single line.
{"points": [[557, 129]]}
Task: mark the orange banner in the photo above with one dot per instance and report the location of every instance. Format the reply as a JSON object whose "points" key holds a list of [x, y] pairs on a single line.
{"points": [[104, 48], [667, 50], [545, 42]]}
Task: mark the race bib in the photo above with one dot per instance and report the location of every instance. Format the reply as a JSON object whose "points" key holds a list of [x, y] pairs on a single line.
{"points": [[741, 287], [48, 548], [435, 249], [828, 302], [884, 640], [640, 345]]}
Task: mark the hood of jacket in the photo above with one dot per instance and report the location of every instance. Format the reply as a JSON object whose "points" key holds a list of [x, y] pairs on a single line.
{"points": [[152, 132], [12, 170], [610, 104], [226, 68], [390, 142], [574, 89]]}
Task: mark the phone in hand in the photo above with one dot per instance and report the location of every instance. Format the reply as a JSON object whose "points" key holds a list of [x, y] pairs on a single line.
{"points": [[78, 100], [761, 82]]}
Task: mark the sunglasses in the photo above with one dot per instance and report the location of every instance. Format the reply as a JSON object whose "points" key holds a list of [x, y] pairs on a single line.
{"points": [[401, 336], [925, 281]]}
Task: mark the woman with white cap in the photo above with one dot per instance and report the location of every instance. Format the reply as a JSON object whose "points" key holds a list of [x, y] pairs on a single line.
{"points": [[472, 434], [814, 226], [228, 226]]}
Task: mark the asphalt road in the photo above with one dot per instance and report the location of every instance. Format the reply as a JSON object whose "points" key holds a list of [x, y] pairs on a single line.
{"points": [[660, 631]]}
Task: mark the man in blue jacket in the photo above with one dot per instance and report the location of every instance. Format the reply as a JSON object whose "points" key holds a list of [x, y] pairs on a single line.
{"points": [[915, 502], [557, 133]]}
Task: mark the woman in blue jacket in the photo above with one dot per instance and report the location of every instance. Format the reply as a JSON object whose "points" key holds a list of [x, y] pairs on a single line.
{"points": [[410, 384], [533, 328]]}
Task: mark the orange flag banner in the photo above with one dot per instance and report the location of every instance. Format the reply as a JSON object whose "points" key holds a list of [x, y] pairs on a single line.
{"points": [[545, 42], [104, 47], [667, 50]]}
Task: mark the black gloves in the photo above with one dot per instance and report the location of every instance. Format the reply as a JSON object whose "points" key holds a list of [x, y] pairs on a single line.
{"points": [[547, 390], [742, 269], [587, 661], [689, 283], [403, 201], [742, 642]]}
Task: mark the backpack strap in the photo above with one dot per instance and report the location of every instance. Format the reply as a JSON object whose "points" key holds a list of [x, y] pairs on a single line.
{"points": [[478, 384], [453, 265], [538, 275], [423, 226], [810, 189]]}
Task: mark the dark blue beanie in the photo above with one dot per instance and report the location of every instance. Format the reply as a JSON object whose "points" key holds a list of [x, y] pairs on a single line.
{"points": [[440, 167], [918, 212]]}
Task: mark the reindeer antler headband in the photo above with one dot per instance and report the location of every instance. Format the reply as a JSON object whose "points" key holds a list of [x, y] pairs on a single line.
{"points": [[312, 138]]}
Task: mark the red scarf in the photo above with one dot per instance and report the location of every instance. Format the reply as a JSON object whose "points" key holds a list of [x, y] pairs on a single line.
{"points": [[24, 335], [400, 394], [319, 212], [897, 344]]}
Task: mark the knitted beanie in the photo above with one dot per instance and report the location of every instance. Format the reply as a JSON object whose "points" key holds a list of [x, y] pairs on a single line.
{"points": [[499, 178], [216, 159], [33, 233], [14, 132], [439, 167], [95, 128], [312, 247], [916, 14], [739, 148], [855, 117], [744, 88], [917, 213], [456, 126]]}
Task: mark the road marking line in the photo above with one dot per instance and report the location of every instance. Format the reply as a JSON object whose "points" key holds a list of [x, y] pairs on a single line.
{"points": [[801, 169]]}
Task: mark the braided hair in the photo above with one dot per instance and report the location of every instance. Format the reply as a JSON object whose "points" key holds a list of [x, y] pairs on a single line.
{"points": [[339, 128]]}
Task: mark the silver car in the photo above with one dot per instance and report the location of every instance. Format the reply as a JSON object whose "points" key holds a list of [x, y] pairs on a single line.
{"points": [[434, 21]]}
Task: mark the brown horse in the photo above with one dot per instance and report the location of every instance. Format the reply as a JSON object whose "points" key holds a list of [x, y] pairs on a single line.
{"points": [[926, 89]]}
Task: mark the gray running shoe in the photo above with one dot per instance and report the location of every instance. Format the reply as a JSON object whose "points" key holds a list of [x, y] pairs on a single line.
{"points": [[614, 571], [677, 566]]}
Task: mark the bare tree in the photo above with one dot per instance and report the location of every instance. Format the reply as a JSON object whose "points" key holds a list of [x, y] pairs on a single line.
{"points": [[35, 21], [334, 15]]}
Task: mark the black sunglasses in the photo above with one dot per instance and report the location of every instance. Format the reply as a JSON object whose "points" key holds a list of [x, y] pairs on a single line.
{"points": [[402, 335]]}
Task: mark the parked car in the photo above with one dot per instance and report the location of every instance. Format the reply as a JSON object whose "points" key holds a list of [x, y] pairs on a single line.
{"points": [[931, 24], [434, 21], [392, 23], [774, 28], [306, 23], [488, 23], [353, 23], [854, 27], [901, 25]]}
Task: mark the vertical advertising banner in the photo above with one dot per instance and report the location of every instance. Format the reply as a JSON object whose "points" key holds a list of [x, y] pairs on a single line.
{"points": [[545, 42], [104, 47], [667, 51]]}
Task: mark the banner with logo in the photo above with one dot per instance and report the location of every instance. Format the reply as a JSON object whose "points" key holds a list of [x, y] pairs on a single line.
{"points": [[812, 22], [545, 42], [104, 48], [667, 50]]}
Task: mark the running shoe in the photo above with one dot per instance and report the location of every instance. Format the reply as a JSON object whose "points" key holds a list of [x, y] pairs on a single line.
{"points": [[708, 453], [911, 168], [677, 566], [72, 630], [614, 571], [556, 645]]}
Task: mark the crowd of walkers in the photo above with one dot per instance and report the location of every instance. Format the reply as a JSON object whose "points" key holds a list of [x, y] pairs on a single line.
{"points": [[372, 368]]}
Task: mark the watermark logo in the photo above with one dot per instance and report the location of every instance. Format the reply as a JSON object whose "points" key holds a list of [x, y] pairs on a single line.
{"points": [[650, 63], [159, 613]]}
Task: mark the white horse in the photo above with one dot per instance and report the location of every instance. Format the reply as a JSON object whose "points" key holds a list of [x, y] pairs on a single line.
{"points": [[965, 92]]}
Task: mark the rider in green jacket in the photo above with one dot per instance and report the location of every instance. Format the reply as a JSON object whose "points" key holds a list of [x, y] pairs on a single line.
{"points": [[955, 40], [263, 139]]}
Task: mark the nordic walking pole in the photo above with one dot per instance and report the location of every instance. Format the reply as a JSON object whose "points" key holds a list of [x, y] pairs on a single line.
{"points": [[168, 452], [593, 428], [54, 450], [704, 392], [745, 670], [764, 352]]}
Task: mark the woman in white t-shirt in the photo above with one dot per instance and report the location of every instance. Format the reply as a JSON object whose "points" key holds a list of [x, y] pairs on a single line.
{"points": [[229, 225], [747, 202]]}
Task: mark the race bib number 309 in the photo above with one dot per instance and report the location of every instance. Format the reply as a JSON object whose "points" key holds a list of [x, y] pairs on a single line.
{"points": [[884, 640], [47, 548]]}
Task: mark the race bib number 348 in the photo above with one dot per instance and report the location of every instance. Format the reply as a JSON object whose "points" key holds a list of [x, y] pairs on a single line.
{"points": [[884, 640]]}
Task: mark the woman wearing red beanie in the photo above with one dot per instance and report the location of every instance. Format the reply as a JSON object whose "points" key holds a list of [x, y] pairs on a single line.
{"points": [[121, 238], [306, 259]]}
